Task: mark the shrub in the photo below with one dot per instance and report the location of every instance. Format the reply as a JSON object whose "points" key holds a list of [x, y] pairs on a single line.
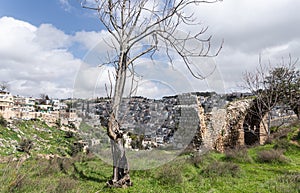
{"points": [[69, 134], [296, 137], [3, 122], [238, 154], [271, 156], [290, 181], [53, 166], [169, 175], [25, 145], [17, 183], [66, 184], [197, 160], [281, 133], [76, 148], [216, 168], [291, 178], [282, 144]]}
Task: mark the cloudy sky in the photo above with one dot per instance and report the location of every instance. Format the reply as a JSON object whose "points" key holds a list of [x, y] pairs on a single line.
{"points": [[53, 47]]}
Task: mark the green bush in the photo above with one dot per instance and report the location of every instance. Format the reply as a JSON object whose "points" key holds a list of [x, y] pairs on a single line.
{"points": [[3, 122]]}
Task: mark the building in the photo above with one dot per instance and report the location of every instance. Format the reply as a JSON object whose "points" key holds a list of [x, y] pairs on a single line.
{"points": [[6, 104]]}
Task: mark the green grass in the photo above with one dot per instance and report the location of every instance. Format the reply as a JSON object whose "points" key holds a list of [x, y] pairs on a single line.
{"points": [[46, 140], [202, 173], [240, 170]]}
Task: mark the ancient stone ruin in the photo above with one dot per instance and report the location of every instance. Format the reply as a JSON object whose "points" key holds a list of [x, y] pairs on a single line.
{"points": [[200, 120]]}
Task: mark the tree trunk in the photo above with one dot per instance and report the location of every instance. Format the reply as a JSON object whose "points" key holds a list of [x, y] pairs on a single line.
{"points": [[120, 176], [297, 111]]}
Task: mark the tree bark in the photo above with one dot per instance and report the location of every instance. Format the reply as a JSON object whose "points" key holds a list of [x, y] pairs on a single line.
{"points": [[120, 177]]}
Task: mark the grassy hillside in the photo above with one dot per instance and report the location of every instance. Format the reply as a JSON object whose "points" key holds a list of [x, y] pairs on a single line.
{"points": [[41, 138], [271, 168]]}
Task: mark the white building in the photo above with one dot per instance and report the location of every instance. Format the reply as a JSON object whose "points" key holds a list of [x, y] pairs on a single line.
{"points": [[6, 104]]}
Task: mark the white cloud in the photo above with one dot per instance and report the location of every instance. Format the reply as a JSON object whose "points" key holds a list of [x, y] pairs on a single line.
{"points": [[35, 60], [250, 28], [48, 37], [91, 39]]}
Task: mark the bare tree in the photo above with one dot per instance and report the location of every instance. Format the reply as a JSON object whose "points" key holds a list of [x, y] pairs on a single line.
{"points": [[44, 98], [273, 85], [134, 22]]}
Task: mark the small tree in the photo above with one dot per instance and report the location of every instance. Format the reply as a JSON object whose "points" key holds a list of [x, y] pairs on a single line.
{"points": [[273, 85], [132, 23]]}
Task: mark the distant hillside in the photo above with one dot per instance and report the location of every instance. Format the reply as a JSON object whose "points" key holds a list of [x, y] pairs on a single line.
{"points": [[34, 137]]}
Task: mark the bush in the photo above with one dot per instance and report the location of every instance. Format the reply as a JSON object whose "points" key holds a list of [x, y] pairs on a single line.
{"points": [[296, 137], [17, 183], [216, 168], [290, 181], [58, 164], [25, 145], [76, 148], [282, 144], [271, 156], [238, 155], [291, 178], [69, 134], [197, 160], [3, 122], [169, 175], [66, 185]]}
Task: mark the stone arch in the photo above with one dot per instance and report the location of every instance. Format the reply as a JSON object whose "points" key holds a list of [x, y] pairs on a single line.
{"points": [[236, 112], [254, 125], [243, 125]]}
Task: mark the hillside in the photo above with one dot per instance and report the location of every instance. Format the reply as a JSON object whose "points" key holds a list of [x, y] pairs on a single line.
{"points": [[35, 138], [274, 167]]}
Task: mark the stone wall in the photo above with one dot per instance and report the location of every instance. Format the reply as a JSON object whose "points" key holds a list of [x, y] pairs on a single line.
{"points": [[188, 128], [233, 130], [181, 120], [202, 120]]}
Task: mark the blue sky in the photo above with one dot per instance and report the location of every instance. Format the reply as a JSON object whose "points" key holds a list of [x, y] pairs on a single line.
{"points": [[68, 16], [46, 45]]}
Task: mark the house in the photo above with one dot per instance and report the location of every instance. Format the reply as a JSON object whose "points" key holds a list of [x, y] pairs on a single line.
{"points": [[6, 104]]}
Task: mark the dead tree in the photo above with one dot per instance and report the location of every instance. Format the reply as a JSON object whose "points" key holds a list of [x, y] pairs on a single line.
{"points": [[134, 22]]}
